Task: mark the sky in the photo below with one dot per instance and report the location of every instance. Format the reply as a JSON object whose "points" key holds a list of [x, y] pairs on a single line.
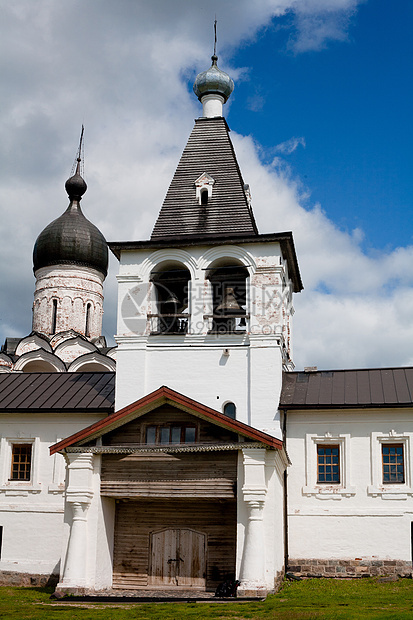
{"points": [[321, 122]]}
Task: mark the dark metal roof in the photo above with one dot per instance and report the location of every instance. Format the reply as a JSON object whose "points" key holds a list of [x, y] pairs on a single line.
{"points": [[285, 239], [367, 387], [10, 345], [55, 391], [71, 240], [209, 149]]}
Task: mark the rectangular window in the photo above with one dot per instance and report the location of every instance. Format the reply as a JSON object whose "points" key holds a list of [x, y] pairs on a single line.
{"points": [[21, 461], [170, 434], [151, 434], [393, 463], [328, 464]]}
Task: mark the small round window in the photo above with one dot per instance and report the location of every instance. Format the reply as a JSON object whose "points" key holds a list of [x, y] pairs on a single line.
{"points": [[230, 410]]}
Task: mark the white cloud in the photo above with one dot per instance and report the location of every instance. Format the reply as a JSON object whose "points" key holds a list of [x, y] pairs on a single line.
{"points": [[318, 22], [355, 309], [289, 146], [121, 68]]}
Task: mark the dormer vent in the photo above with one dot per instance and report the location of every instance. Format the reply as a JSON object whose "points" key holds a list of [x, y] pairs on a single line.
{"points": [[203, 188], [248, 195]]}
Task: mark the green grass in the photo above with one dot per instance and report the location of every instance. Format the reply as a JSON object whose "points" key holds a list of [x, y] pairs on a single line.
{"points": [[305, 600]]}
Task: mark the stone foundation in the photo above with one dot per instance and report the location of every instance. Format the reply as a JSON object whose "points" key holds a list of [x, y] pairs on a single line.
{"points": [[10, 578], [262, 592], [349, 568], [252, 592], [278, 580]]}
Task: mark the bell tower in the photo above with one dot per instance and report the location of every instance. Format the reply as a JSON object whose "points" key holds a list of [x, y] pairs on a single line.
{"points": [[205, 304]]}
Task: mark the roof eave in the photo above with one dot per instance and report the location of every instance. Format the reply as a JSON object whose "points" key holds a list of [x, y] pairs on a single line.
{"points": [[152, 401]]}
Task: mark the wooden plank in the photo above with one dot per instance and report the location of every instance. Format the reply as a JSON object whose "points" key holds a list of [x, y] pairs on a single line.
{"points": [[201, 474], [136, 520]]}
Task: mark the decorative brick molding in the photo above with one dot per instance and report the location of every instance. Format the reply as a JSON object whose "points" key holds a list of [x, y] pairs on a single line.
{"points": [[10, 578], [349, 568]]}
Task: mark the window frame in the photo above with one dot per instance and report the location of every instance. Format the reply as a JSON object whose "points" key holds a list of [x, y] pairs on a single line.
{"points": [[323, 465], [393, 490], [20, 465], [19, 487], [328, 490], [227, 405], [169, 425], [388, 465]]}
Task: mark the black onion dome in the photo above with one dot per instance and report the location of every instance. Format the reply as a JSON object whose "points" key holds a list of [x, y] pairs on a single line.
{"points": [[71, 239]]}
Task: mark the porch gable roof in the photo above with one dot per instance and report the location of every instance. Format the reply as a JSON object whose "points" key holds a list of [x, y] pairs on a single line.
{"points": [[161, 396]]}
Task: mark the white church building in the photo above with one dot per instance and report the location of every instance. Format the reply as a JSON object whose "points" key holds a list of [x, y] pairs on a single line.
{"points": [[206, 457]]}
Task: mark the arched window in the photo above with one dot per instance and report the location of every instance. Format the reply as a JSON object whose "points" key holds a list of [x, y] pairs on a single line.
{"points": [[230, 410], [172, 292], [54, 316], [204, 197], [229, 292], [87, 322]]}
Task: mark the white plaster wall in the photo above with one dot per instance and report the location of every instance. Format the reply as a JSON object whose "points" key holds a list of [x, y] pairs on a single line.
{"points": [[384, 536], [358, 519], [31, 513], [31, 538], [249, 376]]}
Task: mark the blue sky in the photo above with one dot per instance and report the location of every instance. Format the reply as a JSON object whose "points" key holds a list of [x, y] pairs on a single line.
{"points": [[351, 102], [320, 120]]}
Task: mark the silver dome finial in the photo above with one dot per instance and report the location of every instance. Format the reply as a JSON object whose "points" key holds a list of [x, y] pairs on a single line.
{"points": [[213, 86]]}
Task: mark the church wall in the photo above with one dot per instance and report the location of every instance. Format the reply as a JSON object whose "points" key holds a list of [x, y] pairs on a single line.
{"points": [[32, 512], [211, 368], [73, 289], [361, 520], [249, 377]]}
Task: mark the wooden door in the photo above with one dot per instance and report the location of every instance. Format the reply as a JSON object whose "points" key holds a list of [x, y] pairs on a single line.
{"points": [[178, 559]]}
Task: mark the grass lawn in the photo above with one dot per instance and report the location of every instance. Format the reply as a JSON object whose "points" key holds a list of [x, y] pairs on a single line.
{"points": [[313, 598]]}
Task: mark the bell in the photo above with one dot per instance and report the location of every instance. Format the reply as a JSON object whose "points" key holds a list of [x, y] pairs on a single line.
{"points": [[172, 299], [229, 304]]}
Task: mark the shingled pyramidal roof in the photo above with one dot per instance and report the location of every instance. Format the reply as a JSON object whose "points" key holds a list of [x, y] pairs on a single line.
{"points": [[209, 152]]}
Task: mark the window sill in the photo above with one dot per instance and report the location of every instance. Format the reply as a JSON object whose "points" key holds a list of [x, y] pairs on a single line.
{"points": [[391, 492], [56, 489], [329, 492], [169, 333], [20, 488]]}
